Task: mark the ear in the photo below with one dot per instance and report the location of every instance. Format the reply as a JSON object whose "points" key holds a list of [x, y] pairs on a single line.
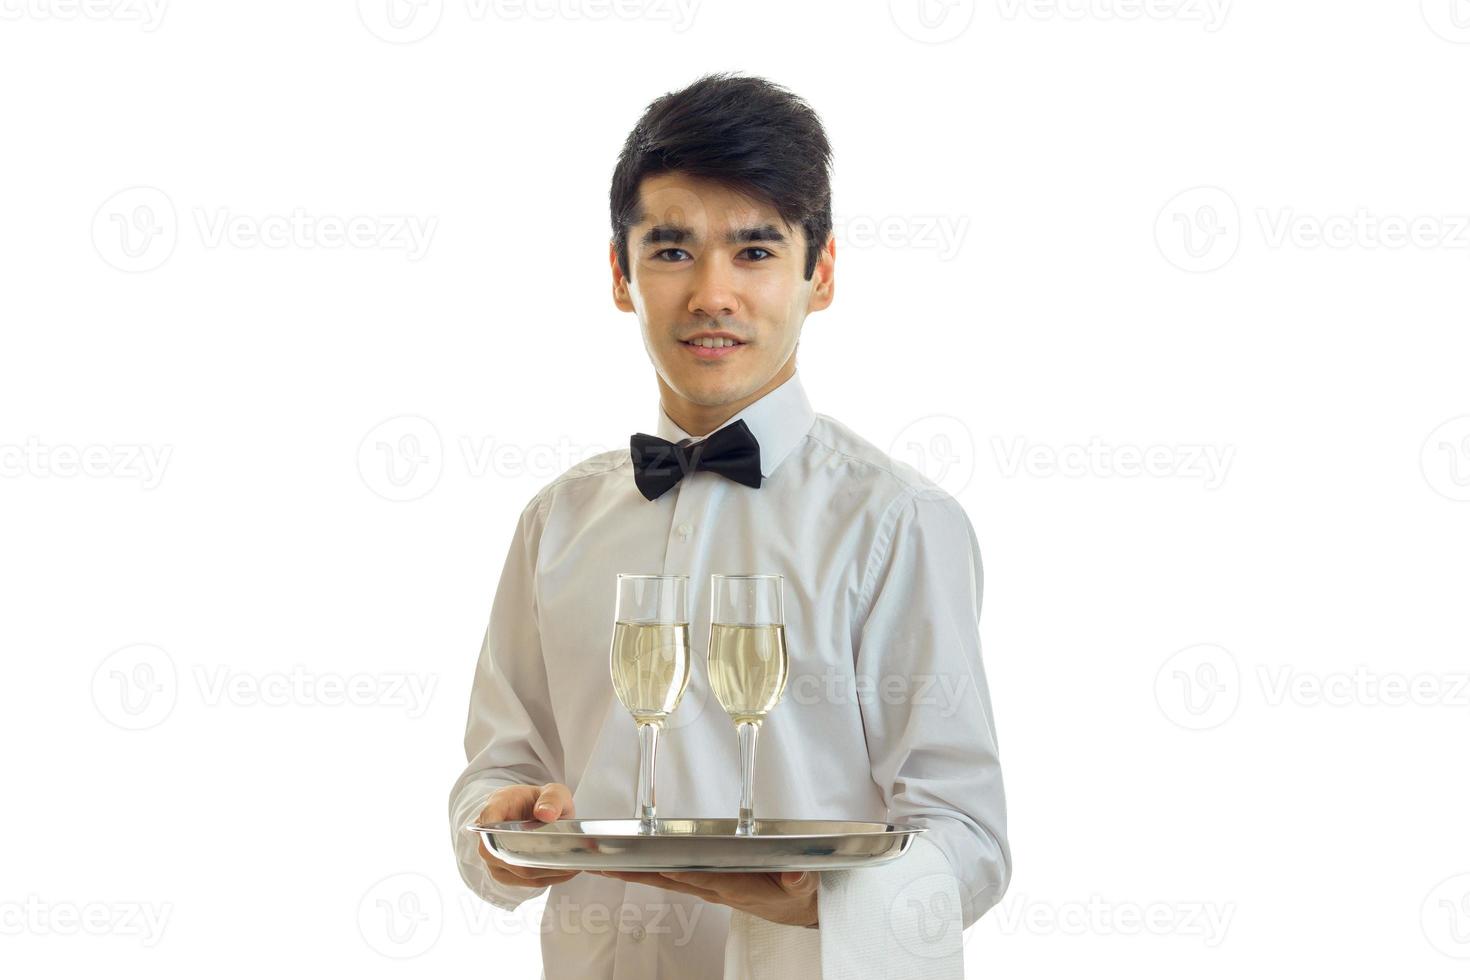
{"points": [[824, 283], [622, 298]]}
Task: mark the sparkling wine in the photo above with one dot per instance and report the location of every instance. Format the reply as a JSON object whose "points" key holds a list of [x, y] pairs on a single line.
{"points": [[747, 668], [650, 667]]}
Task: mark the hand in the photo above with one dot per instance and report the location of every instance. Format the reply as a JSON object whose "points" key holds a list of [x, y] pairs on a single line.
{"points": [[785, 897], [545, 803]]}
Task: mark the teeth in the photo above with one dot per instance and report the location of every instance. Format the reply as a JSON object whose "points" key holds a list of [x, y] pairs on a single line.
{"points": [[713, 342]]}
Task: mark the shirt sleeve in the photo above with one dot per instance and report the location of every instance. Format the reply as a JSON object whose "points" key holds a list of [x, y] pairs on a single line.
{"points": [[510, 734], [926, 708]]}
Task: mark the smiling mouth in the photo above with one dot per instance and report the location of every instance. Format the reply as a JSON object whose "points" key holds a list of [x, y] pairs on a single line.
{"points": [[713, 343]]}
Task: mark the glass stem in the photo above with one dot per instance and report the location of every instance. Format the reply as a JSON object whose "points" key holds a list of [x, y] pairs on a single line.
{"points": [[749, 731], [647, 752]]}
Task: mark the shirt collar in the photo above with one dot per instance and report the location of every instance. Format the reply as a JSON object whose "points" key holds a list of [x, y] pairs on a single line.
{"points": [[779, 420]]}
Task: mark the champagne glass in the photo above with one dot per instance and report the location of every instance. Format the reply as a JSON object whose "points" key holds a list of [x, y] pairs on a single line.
{"points": [[649, 662], [747, 665]]}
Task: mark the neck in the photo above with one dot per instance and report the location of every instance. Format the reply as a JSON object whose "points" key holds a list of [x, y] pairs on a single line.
{"points": [[701, 420]]}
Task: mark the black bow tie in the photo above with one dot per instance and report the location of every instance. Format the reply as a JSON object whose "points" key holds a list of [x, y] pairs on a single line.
{"points": [[731, 452]]}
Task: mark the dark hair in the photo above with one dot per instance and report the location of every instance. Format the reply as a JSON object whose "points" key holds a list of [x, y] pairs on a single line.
{"points": [[746, 133]]}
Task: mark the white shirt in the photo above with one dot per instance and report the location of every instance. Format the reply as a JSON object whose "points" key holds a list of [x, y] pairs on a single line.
{"points": [[886, 713]]}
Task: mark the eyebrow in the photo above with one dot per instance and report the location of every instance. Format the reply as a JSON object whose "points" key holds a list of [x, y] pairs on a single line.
{"points": [[678, 235]]}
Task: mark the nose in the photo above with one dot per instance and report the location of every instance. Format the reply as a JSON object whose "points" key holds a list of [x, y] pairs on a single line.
{"points": [[713, 296]]}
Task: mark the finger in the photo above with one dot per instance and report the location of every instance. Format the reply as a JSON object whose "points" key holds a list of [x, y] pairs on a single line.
{"points": [[508, 803], [554, 801]]}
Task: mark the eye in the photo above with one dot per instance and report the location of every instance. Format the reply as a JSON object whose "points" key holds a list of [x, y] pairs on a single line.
{"points": [[666, 251], [757, 248]]}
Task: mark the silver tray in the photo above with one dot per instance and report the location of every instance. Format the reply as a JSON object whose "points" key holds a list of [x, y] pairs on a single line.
{"points": [[695, 844]]}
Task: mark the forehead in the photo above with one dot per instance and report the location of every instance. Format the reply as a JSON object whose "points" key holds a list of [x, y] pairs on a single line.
{"points": [[700, 204]]}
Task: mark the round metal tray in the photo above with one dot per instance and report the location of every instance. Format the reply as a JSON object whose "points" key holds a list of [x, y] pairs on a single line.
{"points": [[695, 844]]}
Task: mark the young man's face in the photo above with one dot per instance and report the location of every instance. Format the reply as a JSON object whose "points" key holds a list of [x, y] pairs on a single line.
{"points": [[705, 259]]}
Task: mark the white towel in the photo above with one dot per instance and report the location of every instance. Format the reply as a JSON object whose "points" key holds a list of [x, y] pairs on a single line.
{"points": [[895, 921]]}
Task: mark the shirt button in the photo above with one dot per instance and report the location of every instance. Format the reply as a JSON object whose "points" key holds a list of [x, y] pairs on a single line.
{"points": [[685, 529], [638, 933]]}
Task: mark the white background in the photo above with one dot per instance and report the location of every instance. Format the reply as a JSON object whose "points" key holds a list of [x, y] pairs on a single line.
{"points": [[1231, 696]]}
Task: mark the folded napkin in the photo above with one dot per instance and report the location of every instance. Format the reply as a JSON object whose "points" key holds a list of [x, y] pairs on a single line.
{"points": [[897, 921]]}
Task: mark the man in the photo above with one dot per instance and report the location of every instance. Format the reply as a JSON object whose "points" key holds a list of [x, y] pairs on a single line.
{"points": [[721, 212]]}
